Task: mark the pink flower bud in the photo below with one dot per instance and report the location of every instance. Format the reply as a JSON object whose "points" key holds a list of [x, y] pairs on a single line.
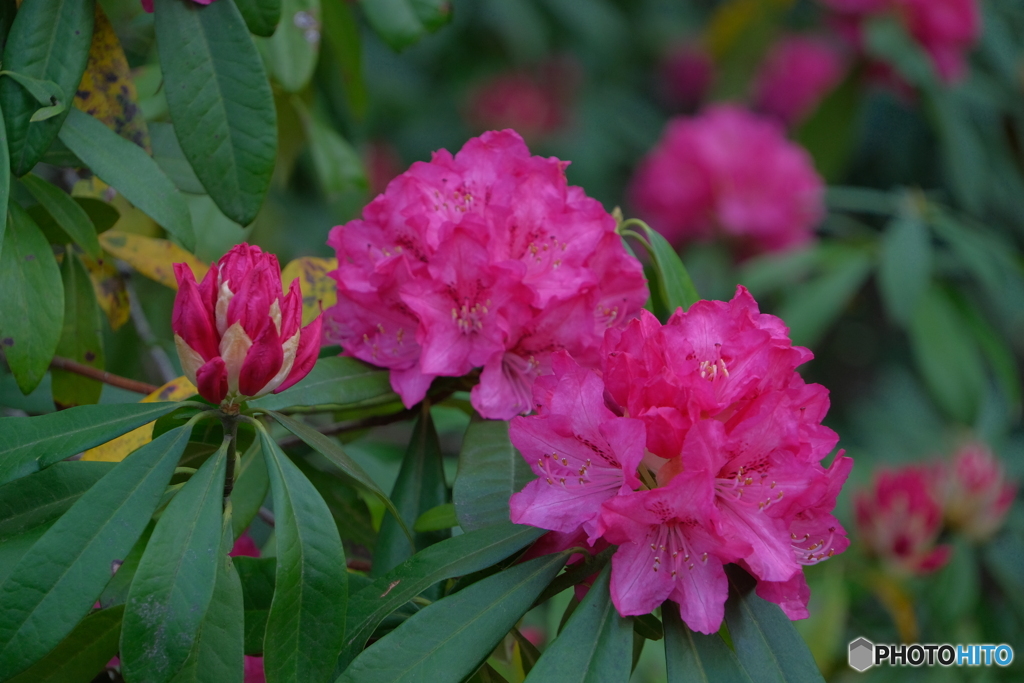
{"points": [[238, 335], [899, 520], [974, 491]]}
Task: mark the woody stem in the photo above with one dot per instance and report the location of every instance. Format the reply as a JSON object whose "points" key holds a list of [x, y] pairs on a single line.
{"points": [[230, 423]]}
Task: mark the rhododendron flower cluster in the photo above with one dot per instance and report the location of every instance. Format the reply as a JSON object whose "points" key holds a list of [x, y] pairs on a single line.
{"points": [[796, 74], [519, 101], [900, 519], [946, 29], [974, 491], [687, 74], [485, 259], [238, 335], [697, 444], [731, 172]]}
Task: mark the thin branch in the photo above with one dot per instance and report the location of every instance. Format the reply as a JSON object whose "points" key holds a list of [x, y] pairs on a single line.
{"points": [[61, 363], [159, 356]]}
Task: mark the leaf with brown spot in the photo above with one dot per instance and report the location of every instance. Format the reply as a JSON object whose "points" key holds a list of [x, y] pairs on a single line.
{"points": [[154, 258], [319, 290], [107, 90], [111, 293]]}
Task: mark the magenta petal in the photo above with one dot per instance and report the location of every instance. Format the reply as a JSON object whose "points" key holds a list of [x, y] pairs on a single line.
{"points": [[212, 380], [147, 5], [638, 586], [701, 593], [305, 355], [791, 595], [412, 385], [262, 361], [191, 320]]}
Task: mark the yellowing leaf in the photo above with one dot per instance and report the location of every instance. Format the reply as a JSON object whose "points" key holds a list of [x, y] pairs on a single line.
{"points": [[117, 450], [319, 290], [152, 257], [109, 288], [107, 90]]}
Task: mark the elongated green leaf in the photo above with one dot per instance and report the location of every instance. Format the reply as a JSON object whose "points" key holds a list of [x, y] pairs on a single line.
{"points": [[306, 623], [261, 16], [350, 511], [220, 102], [28, 444], [14, 548], [490, 471], [447, 640], [252, 484], [694, 657], [57, 581], [420, 486], [126, 167], [81, 339], [343, 42], [333, 451], [43, 497], [337, 164], [217, 656], [437, 518], [293, 49], [116, 591], [337, 380], [595, 645], [947, 356], [456, 556], [174, 583], [403, 22], [49, 41], [674, 287], [32, 304], [68, 213], [5, 179], [81, 655], [905, 265], [48, 94], [767, 644], [258, 577]]}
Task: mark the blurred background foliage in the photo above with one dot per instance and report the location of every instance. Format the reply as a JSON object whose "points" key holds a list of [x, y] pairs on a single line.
{"points": [[912, 298]]}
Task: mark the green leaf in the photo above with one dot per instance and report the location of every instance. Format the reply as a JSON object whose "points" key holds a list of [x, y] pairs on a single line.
{"points": [[456, 556], [694, 657], [250, 490], [674, 287], [5, 179], [1004, 556], [14, 548], [81, 339], [348, 508], [293, 49], [767, 644], [342, 40], [126, 167], [49, 41], [258, 576], [400, 23], [810, 309], [56, 583], [437, 518], [829, 134], [32, 304], [332, 450], [220, 101], [28, 444], [447, 640], [101, 215], [419, 487], [594, 647], [168, 155], [81, 655], [68, 213], [174, 583], [905, 265], [43, 497], [217, 655], [490, 471], [47, 93], [337, 164], [306, 623], [116, 591], [947, 356], [261, 16], [336, 380]]}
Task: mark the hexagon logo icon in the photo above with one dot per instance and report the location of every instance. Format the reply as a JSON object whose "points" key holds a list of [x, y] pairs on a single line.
{"points": [[862, 654]]}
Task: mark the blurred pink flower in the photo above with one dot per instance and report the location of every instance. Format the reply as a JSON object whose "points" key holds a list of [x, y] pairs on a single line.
{"points": [[899, 520], [238, 335], [974, 491], [519, 101], [731, 172], [254, 670], [731, 471], [486, 259], [244, 547], [795, 76], [947, 29], [686, 76]]}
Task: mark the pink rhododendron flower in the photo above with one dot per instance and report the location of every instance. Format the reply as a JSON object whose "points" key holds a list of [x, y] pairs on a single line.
{"points": [[254, 670], [796, 74], [485, 259], [519, 101], [238, 335], [899, 520], [974, 491], [946, 29], [731, 172], [697, 445], [686, 76], [244, 547]]}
